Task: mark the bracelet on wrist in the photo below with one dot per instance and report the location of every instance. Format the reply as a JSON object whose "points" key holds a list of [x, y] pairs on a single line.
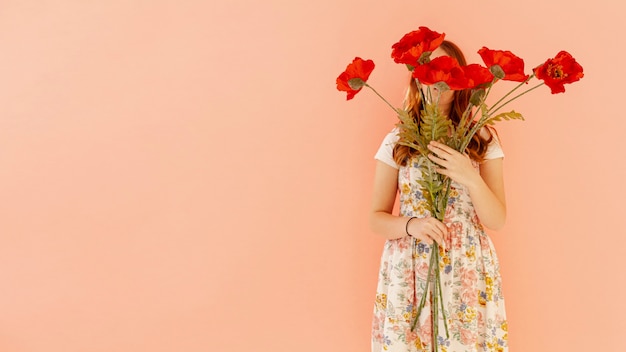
{"points": [[407, 225]]}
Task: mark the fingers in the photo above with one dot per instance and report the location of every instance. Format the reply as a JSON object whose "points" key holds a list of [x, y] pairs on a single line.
{"points": [[444, 164], [451, 163], [429, 229], [436, 231], [437, 160], [441, 153], [441, 149]]}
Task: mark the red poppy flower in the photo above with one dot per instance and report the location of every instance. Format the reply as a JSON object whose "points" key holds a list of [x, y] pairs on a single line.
{"points": [[354, 77], [476, 75], [441, 69], [512, 65], [413, 44], [560, 70]]}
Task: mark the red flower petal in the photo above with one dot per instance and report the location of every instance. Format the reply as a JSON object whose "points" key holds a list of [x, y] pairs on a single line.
{"points": [[413, 44], [560, 70], [512, 65], [358, 68], [441, 69], [477, 75]]}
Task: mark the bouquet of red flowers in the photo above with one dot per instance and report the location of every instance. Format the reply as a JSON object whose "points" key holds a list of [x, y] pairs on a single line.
{"points": [[445, 73]]}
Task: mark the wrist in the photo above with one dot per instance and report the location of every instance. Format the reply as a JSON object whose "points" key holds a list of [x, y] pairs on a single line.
{"points": [[408, 222], [474, 182]]}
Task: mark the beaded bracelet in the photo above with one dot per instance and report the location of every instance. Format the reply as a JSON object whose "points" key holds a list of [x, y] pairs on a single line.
{"points": [[407, 225]]}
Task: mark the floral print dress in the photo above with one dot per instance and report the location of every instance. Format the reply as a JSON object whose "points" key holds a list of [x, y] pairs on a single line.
{"points": [[470, 278]]}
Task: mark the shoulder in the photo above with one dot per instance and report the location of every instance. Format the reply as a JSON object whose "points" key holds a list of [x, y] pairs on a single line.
{"points": [[385, 151], [392, 137], [494, 149]]}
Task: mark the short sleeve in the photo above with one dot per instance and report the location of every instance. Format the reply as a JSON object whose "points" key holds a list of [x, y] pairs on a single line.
{"points": [[494, 150], [385, 152]]}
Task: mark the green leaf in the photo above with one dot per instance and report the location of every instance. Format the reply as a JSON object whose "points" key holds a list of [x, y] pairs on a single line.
{"points": [[434, 125], [511, 115], [410, 145]]}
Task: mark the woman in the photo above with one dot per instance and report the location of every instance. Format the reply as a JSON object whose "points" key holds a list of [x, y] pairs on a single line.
{"points": [[470, 278]]}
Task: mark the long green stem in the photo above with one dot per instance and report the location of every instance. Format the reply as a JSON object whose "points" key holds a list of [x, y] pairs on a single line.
{"points": [[423, 299], [489, 90], [381, 97], [419, 90], [435, 311], [464, 120], [511, 92], [471, 133], [515, 97], [443, 312]]}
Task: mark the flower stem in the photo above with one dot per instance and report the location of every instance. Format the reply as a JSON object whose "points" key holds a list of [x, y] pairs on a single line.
{"points": [[435, 304], [443, 312], [465, 120], [515, 97], [509, 93], [472, 132], [381, 97], [422, 303]]}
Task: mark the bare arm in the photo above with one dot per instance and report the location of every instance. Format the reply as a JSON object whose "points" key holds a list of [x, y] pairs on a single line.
{"points": [[384, 223], [488, 196]]}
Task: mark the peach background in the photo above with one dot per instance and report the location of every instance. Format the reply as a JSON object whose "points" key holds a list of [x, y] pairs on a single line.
{"points": [[183, 176]]}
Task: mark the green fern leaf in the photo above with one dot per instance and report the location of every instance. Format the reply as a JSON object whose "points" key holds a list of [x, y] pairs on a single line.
{"points": [[511, 115]]}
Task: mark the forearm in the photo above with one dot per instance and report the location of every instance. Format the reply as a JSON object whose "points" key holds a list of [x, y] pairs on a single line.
{"points": [[491, 210], [387, 225]]}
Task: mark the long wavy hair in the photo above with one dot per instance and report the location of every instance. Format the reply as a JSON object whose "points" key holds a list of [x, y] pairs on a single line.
{"points": [[413, 103]]}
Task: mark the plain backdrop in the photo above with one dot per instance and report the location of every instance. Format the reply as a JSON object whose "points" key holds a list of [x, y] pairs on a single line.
{"points": [[183, 175]]}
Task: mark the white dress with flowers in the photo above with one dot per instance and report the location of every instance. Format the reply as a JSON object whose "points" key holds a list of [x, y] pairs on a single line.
{"points": [[470, 275]]}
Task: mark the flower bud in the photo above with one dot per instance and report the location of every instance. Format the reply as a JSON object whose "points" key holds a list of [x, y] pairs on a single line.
{"points": [[356, 83], [497, 71], [442, 86], [424, 58], [477, 97]]}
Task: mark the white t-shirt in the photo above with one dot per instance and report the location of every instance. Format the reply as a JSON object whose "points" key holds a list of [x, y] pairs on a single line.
{"points": [[385, 152]]}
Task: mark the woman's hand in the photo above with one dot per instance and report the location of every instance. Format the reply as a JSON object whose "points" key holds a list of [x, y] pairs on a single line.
{"points": [[453, 164], [427, 230]]}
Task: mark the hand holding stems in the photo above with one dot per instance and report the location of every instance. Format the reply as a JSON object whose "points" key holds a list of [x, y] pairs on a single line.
{"points": [[453, 164], [485, 187], [427, 229]]}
